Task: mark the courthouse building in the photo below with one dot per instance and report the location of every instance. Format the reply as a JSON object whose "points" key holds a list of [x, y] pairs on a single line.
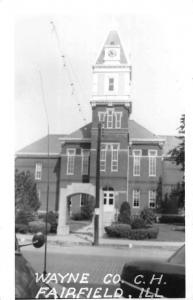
{"points": [[132, 159]]}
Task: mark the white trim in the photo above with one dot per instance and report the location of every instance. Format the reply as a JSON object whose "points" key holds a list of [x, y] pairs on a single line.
{"points": [[117, 160], [116, 113], [72, 156], [35, 154], [38, 171], [139, 196], [104, 161], [150, 161], [154, 200], [83, 157], [138, 157], [146, 140]]}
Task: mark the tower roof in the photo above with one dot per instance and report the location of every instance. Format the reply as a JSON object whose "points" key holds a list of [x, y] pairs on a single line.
{"points": [[112, 40]]}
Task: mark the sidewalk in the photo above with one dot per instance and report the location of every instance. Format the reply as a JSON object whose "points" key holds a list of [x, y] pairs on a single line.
{"points": [[86, 240]]}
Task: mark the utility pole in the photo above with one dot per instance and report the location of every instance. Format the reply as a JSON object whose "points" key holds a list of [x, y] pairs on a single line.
{"points": [[48, 171], [97, 204]]}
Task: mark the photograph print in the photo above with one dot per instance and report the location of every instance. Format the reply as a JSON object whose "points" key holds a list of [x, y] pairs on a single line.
{"points": [[99, 157]]}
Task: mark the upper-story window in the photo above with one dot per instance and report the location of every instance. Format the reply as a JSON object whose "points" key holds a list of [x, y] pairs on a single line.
{"points": [[114, 157], [113, 149], [38, 171], [136, 198], [111, 84], [103, 157], [152, 199], [110, 119], [70, 161], [118, 116], [85, 161], [152, 162], [136, 162]]}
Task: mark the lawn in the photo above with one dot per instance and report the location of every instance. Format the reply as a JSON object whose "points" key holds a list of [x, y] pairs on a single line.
{"points": [[167, 233]]}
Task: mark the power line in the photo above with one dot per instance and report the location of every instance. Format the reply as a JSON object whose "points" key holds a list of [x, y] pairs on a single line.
{"points": [[65, 65]]}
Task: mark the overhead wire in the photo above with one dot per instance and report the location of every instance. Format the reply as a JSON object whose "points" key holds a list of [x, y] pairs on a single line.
{"points": [[67, 68]]}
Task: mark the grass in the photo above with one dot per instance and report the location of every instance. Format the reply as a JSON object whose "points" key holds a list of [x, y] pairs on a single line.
{"points": [[168, 234]]}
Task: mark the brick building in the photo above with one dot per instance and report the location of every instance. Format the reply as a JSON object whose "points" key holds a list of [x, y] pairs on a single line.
{"points": [[132, 158]]}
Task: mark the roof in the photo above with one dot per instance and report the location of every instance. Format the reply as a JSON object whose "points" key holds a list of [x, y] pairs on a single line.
{"points": [[112, 39], [41, 146], [136, 131], [171, 142]]}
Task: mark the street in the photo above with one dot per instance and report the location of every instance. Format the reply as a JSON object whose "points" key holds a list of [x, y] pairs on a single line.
{"points": [[102, 265]]}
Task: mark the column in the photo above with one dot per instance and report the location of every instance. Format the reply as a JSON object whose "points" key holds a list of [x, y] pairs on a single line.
{"points": [[62, 229]]}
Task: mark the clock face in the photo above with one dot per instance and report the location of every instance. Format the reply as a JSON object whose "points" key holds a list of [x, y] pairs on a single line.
{"points": [[112, 53]]}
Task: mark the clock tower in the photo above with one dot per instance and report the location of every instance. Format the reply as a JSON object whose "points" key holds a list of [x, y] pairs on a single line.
{"points": [[111, 105]]}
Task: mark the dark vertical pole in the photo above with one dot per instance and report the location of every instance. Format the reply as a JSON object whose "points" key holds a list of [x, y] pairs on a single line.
{"points": [[47, 203], [97, 205], [48, 171]]}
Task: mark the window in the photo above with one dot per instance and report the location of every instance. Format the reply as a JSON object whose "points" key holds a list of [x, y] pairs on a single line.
{"points": [[136, 162], [85, 161], [111, 84], [109, 118], [152, 199], [70, 161], [108, 198], [152, 162], [118, 116], [102, 116], [136, 198], [103, 158], [114, 157], [39, 194], [38, 171]]}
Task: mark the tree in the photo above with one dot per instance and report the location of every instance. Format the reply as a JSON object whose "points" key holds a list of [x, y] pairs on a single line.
{"points": [[178, 153], [125, 213], [26, 197]]}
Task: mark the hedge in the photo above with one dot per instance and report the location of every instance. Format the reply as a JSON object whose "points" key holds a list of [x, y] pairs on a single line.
{"points": [[143, 233], [21, 228], [38, 226], [172, 219], [118, 230], [125, 231]]}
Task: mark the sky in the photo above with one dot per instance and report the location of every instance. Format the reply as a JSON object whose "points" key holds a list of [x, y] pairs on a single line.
{"points": [[156, 46]]}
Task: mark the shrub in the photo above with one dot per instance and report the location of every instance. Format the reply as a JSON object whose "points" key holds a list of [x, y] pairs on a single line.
{"points": [[143, 233], [125, 213], [36, 226], [172, 219], [21, 228], [125, 231], [52, 219], [148, 215], [77, 216], [137, 223], [118, 230], [24, 217], [88, 208]]}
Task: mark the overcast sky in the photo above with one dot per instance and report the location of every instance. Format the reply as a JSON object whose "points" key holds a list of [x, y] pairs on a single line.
{"points": [[157, 48]]}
